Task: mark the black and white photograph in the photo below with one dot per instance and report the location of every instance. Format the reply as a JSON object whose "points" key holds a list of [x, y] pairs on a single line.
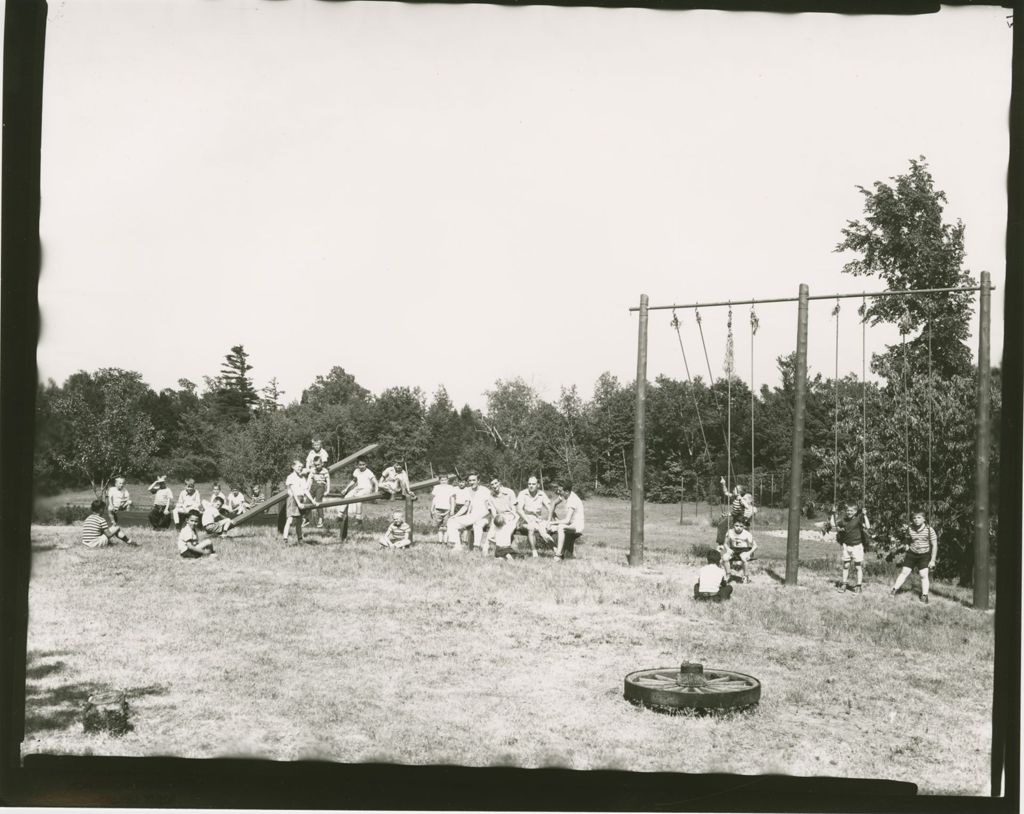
{"points": [[539, 387]]}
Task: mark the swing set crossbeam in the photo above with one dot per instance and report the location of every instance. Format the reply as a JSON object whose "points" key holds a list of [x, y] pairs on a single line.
{"points": [[873, 294], [982, 420]]}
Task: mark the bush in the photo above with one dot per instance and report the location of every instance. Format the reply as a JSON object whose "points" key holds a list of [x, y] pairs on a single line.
{"points": [[67, 515]]}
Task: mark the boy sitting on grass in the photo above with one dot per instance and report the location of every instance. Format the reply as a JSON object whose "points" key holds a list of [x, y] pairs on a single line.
{"points": [[97, 533], [712, 581], [739, 546], [189, 546], [398, 533]]}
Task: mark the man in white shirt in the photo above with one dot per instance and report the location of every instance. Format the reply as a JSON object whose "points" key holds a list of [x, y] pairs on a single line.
{"points": [[501, 509], [363, 482], [474, 514], [569, 528], [532, 506]]}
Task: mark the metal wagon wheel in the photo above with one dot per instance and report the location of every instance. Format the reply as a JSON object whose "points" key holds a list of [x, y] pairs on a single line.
{"points": [[691, 688]]}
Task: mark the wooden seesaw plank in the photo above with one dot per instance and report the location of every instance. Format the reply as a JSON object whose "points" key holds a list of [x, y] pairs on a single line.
{"points": [[280, 497], [345, 501]]}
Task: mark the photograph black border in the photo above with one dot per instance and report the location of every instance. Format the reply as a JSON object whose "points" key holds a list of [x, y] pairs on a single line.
{"points": [[46, 780]]}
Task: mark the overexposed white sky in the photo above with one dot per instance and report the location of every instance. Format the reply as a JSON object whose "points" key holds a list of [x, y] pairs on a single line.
{"points": [[450, 195]]}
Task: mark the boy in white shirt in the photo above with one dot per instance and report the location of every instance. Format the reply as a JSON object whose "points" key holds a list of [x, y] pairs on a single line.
{"points": [[118, 499], [188, 499], [316, 453], [160, 514], [712, 581], [395, 481], [215, 523], [442, 506], [569, 529], [236, 503], [189, 547], [298, 498], [363, 482], [739, 547]]}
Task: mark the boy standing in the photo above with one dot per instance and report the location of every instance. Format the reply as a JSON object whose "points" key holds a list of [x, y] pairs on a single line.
{"points": [[298, 496], [851, 534], [97, 533], [922, 547], [319, 485], [442, 505], [712, 582]]}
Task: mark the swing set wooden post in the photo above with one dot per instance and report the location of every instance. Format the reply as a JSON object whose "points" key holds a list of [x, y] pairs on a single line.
{"points": [[636, 514], [984, 442], [797, 460]]}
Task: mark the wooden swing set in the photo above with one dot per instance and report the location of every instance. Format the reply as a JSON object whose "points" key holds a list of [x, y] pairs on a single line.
{"points": [[982, 417]]}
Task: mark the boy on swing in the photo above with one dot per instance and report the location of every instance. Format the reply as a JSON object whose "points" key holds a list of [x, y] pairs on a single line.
{"points": [[739, 547], [922, 546], [851, 534]]}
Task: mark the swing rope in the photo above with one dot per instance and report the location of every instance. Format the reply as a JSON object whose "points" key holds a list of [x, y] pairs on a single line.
{"points": [[711, 380], [904, 328], [930, 399], [728, 373], [864, 403], [693, 392], [835, 414], [755, 323]]}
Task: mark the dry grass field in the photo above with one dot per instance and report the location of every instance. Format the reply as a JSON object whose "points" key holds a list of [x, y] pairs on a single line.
{"points": [[349, 652]]}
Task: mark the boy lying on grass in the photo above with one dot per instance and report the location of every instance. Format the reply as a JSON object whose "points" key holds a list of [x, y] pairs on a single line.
{"points": [[398, 534], [739, 547], [189, 545], [97, 533], [712, 581]]}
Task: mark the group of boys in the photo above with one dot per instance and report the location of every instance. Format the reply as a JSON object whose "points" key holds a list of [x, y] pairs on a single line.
{"points": [[470, 512], [852, 533]]}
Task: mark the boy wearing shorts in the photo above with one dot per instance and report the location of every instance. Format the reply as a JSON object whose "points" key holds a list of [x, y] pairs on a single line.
{"points": [[363, 482], [214, 522], [851, 534], [739, 547], [570, 528], [712, 581], [298, 497], [922, 547], [319, 485], [97, 533], [189, 545], [532, 505], [442, 506], [398, 534], [394, 481]]}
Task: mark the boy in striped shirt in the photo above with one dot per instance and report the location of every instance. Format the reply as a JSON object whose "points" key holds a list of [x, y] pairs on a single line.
{"points": [[319, 485], [922, 547], [97, 533]]}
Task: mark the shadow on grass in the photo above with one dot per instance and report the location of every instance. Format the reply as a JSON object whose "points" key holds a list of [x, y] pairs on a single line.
{"points": [[774, 575], [61, 707]]}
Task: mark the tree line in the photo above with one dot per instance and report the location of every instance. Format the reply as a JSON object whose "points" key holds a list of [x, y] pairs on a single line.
{"points": [[109, 421]]}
